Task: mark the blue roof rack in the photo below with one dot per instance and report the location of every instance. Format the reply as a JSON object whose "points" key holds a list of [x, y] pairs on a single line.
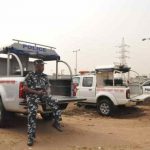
{"points": [[32, 50]]}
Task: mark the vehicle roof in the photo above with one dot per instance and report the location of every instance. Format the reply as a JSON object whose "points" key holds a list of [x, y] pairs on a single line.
{"points": [[32, 51], [111, 68]]}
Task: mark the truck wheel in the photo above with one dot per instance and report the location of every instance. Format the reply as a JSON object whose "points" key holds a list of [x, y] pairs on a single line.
{"points": [[63, 106], [79, 104], [105, 107], [3, 115], [47, 116]]}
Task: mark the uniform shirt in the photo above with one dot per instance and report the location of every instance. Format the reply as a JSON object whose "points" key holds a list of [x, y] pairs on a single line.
{"points": [[36, 81]]}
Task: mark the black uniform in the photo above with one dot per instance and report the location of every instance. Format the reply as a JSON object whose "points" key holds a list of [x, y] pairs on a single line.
{"points": [[38, 81]]}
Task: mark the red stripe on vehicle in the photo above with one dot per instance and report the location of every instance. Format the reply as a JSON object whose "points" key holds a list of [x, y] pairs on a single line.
{"points": [[111, 90], [8, 81]]}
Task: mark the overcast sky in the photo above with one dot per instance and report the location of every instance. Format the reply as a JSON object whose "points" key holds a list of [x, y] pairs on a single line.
{"points": [[96, 27]]}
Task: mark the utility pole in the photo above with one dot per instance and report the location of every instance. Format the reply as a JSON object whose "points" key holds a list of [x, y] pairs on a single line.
{"points": [[76, 52], [144, 39]]}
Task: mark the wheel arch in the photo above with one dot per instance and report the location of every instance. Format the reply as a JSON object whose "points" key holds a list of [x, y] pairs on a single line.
{"points": [[1, 100], [2, 95], [108, 97]]}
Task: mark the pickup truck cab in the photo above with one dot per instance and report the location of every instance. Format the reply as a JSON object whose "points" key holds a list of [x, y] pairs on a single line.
{"points": [[107, 87], [13, 70]]}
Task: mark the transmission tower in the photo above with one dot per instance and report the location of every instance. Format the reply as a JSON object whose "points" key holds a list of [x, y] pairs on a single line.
{"points": [[123, 52]]}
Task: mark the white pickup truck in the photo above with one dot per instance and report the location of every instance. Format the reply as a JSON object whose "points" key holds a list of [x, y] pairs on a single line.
{"points": [[13, 70], [107, 87]]}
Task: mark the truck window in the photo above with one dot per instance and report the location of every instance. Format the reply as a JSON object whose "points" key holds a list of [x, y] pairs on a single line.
{"points": [[76, 80], [147, 83], [87, 81]]}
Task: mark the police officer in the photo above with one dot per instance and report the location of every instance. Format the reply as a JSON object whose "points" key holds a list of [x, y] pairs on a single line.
{"points": [[36, 85]]}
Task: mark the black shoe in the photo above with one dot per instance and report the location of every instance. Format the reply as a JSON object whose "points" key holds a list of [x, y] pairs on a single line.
{"points": [[30, 142], [57, 126], [34, 136]]}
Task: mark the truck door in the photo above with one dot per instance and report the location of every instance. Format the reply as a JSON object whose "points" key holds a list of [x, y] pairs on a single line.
{"points": [[87, 88]]}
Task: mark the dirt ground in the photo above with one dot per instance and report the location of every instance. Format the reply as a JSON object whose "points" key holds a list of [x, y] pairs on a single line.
{"points": [[84, 129]]}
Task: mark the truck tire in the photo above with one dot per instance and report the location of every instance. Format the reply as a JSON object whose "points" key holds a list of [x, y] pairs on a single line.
{"points": [[3, 115], [47, 116], [105, 107], [63, 106], [79, 104]]}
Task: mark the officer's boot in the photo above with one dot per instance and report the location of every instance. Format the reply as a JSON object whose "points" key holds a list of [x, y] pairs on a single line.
{"points": [[57, 126], [34, 136], [30, 142]]}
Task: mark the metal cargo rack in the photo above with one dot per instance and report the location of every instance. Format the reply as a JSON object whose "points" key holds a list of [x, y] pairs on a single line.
{"points": [[19, 53]]}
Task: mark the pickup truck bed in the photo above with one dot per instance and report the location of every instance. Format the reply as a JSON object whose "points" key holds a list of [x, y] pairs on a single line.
{"points": [[16, 65]]}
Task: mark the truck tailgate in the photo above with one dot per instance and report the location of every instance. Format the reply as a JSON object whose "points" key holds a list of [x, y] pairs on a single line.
{"points": [[140, 98], [66, 99], [59, 100]]}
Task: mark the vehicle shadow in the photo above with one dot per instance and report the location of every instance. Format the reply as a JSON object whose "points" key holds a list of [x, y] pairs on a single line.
{"points": [[19, 122], [142, 109], [119, 112], [128, 112]]}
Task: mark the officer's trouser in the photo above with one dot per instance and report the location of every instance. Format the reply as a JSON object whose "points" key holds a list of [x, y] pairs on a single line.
{"points": [[32, 112], [55, 109]]}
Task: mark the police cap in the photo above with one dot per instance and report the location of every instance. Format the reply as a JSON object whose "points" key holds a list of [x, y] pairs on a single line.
{"points": [[39, 61]]}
